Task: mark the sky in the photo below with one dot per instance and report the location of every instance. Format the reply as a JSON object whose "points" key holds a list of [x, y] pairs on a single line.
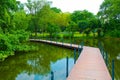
{"points": [[72, 5]]}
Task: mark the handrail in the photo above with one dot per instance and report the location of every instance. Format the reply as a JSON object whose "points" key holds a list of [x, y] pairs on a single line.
{"points": [[105, 57]]}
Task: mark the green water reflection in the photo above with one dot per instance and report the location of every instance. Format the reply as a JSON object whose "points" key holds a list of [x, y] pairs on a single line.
{"points": [[37, 65]]}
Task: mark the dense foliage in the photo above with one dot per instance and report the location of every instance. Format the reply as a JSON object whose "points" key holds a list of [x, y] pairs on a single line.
{"points": [[16, 24], [13, 25], [109, 15]]}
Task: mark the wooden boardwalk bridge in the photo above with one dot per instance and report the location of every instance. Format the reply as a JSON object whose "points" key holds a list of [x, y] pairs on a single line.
{"points": [[89, 66]]}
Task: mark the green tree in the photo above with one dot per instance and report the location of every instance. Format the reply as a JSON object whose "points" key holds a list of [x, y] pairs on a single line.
{"points": [[81, 18], [48, 20], [20, 6], [72, 28], [13, 25], [53, 30], [34, 6], [95, 26], [21, 20], [47, 17], [83, 26], [6, 9], [56, 10], [81, 15], [109, 15], [62, 20]]}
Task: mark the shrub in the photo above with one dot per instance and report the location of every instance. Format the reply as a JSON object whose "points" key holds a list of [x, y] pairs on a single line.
{"points": [[114, 33], [67, 35], [12, 42]]}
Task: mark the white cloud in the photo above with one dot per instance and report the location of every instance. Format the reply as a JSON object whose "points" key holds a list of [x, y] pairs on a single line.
{"points": [[72, 5], [22, 1]]}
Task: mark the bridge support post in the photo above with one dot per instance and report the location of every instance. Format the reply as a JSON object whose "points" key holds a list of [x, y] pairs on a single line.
{"points": [[52, 75], [67, 66], [74, 56]]}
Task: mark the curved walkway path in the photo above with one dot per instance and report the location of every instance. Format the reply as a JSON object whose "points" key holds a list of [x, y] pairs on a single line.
{"points": [[89, 66]]}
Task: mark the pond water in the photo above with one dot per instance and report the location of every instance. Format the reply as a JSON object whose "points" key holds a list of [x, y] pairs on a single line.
{"points": [[37, 65]]}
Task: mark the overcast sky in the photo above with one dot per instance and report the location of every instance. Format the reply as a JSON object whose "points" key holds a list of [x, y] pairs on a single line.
{"points": [[72, 5]]}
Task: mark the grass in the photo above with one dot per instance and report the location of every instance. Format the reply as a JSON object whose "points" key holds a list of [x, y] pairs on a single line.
{"points": [[65, 35], [41, 34]]}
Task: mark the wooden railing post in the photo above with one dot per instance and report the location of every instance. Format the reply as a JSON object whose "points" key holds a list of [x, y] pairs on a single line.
{"points": [[106, 59], [113, 69]]}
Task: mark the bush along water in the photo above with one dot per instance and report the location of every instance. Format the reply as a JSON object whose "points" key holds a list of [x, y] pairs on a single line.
{"points": [[14, 42]]}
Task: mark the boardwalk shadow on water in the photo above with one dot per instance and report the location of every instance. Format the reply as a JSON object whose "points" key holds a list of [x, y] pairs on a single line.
{"points": [[37, 65]]}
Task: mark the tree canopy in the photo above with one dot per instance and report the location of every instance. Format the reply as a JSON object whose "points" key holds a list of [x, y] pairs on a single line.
{"points": [[13, 25], [16, 24], [109, 14]]}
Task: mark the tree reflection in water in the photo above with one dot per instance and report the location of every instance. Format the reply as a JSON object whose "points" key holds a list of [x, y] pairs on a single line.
{"points": [[36, 65]]}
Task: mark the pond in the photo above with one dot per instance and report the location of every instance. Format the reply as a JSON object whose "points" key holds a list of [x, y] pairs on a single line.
{"points": [[37, 65]]}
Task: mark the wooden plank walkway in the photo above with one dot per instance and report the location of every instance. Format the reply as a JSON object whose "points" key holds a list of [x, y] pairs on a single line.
{"points": [[89, 66], [67, 45]]}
